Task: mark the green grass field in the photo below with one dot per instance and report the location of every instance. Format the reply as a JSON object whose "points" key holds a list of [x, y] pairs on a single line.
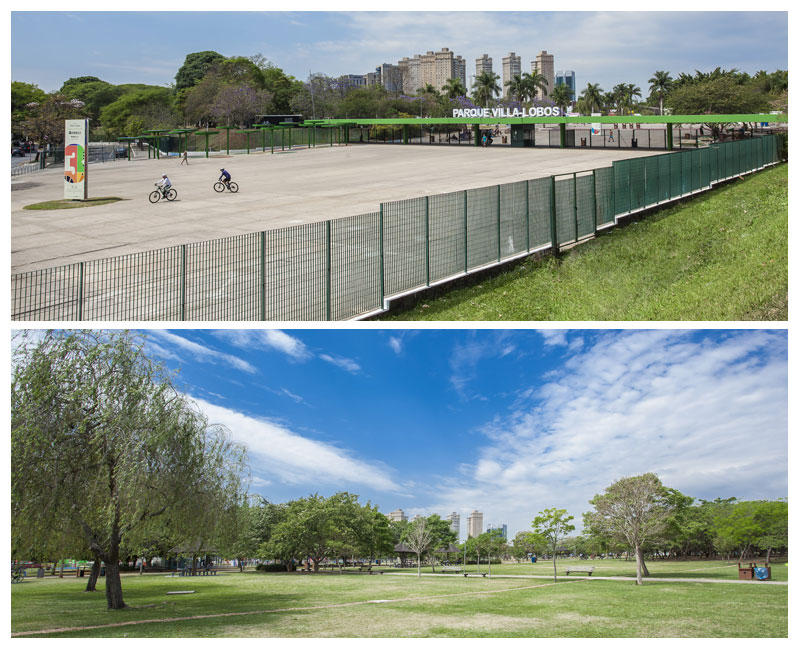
{"points": [[722, 255], [334, 605]]}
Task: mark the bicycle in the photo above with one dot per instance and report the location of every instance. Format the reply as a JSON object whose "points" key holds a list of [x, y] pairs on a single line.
{"points": [[18, 575], [219, 186], [169, 195]]}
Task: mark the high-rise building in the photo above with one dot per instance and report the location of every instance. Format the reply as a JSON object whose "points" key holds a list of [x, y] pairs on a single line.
{"points": [[434, 68], [475, 524], [397, 515], [484, 64], [455, 523], [512, 66], [544, 64], [353, 80], [391, 77], [567, 77], [502, 528], [374, 78]]}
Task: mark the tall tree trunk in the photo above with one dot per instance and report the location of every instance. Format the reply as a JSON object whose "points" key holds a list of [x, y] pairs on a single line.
{"points": [[645, 572], [555, 574], [769, 550], [91, 584], [241, 565], [114, 586], [419, 566], [638, 565]]}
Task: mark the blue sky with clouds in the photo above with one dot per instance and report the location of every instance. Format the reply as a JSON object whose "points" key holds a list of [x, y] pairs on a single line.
{"points": [[508, 422], [601, 47]]}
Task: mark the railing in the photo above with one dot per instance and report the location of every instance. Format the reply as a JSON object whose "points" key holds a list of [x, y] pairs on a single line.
{"points": [[350, 268]]}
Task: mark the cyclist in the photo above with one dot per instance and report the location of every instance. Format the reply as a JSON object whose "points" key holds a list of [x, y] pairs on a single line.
{"points": [[164, 184], [225, 177]]}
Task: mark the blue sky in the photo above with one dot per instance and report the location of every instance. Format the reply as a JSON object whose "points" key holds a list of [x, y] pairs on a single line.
{"points": [[508, 422], [601, 47]]}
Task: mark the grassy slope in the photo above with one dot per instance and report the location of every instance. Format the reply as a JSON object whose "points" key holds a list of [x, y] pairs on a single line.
{"points": [[576, 608], [720, 256]]}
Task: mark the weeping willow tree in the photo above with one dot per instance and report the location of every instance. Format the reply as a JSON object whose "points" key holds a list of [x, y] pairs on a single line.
{"points": [[104, 448]]}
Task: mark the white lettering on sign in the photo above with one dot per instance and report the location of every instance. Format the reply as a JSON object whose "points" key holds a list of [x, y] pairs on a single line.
{"points": [[535, 111]]}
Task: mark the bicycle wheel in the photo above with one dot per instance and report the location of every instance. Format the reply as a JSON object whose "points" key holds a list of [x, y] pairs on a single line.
{"points": [[171, 194], [219, 187], [155, 195], [234, 187]]}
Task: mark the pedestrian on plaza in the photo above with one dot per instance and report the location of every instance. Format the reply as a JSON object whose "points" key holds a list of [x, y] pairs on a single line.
{"points": [[185, 157]]}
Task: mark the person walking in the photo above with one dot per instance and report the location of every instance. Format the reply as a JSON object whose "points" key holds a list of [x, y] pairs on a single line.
{"points": [[185, 157]]}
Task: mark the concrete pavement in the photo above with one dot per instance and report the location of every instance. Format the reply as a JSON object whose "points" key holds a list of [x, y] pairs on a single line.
{"points": [[276, 190]]}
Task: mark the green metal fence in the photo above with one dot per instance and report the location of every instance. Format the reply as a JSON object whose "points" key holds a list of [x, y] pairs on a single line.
{"points": [[347, 268]]}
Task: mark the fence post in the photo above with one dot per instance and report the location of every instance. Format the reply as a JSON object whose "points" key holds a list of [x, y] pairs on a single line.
{"points": [[328, 270], [553, 233], [427, 243], [594, 201], [183, 282], [80, 292], [499, 253], [380, 243], [527, 216], [466, 238], [263, 237], [575, 202]]}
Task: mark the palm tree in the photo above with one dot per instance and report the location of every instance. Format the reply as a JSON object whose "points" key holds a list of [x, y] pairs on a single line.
{"points": [[428, 89], [536, 81], [454, 88], [485, 88], [629, 93], [517, 88], [618, 97], [592, 97], [561, 96], [660, 83]]}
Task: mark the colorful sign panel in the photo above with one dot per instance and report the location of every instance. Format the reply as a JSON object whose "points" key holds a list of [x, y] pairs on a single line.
{"points": [[76, 135]]}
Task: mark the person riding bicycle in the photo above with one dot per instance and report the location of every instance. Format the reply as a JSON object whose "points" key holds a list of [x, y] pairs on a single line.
{"points": [[164, 184], [225, 177]]}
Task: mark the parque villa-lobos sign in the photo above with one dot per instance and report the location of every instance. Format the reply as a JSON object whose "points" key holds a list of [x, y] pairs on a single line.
{"points": [[536, 111]]}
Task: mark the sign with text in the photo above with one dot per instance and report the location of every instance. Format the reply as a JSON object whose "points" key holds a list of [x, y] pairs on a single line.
{"points": [[534, 111], [76, 139]]}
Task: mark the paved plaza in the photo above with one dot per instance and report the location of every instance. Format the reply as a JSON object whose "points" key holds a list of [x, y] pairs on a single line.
{"points": [[276, 190]]}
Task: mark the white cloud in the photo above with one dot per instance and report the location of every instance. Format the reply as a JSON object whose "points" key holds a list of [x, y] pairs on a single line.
{"points": [[709, 417], [263, 339], [278, 454], [342, 362], [396, 343], [201, 352]]}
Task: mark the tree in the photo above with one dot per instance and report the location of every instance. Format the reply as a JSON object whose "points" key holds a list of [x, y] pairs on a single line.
{"points": [[104, 445], [454, 88], [46, 120], [526, 543], [535, 81], [195, 67], [592, 98], [561, 96], [634, 508], [25, 98], [153, 106], [485, 88], [517, 88], [660, 83], [720, 95], [441, 534], [239, 105], [552, 524], [375, 534], [419, 538], [93, 92]]}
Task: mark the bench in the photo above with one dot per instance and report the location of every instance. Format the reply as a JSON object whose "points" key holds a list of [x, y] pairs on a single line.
{"points": [[475, 574], [580, 569], [451, 569], [378, 571]]}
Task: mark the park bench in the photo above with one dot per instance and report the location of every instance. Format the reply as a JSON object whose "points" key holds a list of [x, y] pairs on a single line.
{"points": [[475, 574], [378, 571], [451, 569], [580, 569]]}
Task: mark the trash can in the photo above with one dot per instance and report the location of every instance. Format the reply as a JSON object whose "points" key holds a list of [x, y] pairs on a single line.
{"points": [[83, 570], [102, 571], [634, 143], [745, 573]]}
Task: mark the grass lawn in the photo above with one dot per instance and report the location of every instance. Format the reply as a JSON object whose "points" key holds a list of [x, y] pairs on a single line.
{"points": [[720, 256], [333, 605], [68, 204]]}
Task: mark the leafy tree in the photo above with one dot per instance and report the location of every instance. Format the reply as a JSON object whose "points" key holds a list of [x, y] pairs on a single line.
{"points": [[239, 105], [517, 88], [526, 543], [153, 107], [635, 509], [103, 444], [398, 530], [46, 120], [441, 533], [719, 95], [536, 82], [195, 67], [552, 524], [374, 533], [660, 83], [25, 98], [485, 87], [93, 92]]}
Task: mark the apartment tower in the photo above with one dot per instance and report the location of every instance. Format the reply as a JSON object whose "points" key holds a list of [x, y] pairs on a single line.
{"points": [[512, 66], [455, 524], [475, 524], [545, 65]]}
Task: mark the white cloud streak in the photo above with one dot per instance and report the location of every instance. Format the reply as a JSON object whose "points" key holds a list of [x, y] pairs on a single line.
{"points": [[201, 352], [279, 455], [266, 339], [342, 362]]}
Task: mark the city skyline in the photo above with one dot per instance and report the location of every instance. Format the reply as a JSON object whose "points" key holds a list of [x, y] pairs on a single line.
{"points": [[508, 422], [342, 43]]}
